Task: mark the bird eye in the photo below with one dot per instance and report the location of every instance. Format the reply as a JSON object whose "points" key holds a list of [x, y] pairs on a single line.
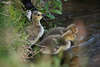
{"points": [[38, 14]]}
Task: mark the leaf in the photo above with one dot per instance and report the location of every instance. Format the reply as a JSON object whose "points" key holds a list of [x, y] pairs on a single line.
{"points": [[46, 7], [51, 16], [56, 11], [57, 4], [65, 0]]}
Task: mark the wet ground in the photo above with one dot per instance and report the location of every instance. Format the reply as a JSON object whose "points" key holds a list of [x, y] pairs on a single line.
{"points": [[89, 14]]}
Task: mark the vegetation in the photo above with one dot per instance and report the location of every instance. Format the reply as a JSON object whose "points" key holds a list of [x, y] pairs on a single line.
{"points": [[12, 23], [49, 7]]}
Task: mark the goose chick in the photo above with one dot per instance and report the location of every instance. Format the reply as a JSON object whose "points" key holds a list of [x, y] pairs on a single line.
{"points": [[62, 30], [35, 30], [71, 33], [54, 43], [55, 31]]}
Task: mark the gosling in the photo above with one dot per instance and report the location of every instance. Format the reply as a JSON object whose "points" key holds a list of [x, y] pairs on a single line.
{"points": [[35, 30]]}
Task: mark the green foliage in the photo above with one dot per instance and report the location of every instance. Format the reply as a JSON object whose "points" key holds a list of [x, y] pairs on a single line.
{"points": [[49, 7], [13, 22], [17, 17]]}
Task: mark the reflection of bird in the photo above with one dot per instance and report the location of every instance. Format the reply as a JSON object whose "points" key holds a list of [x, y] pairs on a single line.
{"points": [[54, 43], [35, 30]]}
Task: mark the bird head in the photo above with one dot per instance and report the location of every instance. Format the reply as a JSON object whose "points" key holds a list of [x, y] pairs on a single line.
{"points": [[73, 28], [71, 32], [37, 16]]}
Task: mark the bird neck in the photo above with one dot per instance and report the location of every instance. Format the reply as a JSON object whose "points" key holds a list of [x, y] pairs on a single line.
{"points": [[36, 23], [39, 30]]}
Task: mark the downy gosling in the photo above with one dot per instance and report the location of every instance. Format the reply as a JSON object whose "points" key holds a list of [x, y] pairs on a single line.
{"points": [[55, 43], [35, 30]]}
